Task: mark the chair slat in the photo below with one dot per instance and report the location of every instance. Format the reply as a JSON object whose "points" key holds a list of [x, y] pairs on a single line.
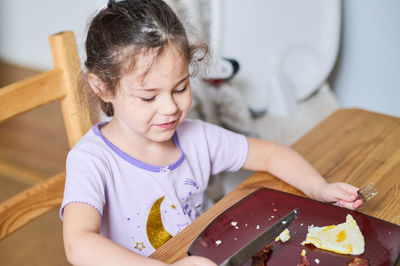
{"points": [[21, 174], [31, 203], [30, 93]]}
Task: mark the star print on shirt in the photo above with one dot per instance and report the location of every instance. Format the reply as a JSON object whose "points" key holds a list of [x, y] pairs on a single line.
{"points": [[139, 246], [181, 226]]}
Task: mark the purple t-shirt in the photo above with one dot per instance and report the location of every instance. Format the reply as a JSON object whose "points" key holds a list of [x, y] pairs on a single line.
{"points": [[142, 205]]}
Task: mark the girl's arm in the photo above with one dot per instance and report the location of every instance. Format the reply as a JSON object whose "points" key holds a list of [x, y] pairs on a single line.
{"points": [[85, 246], [291, 167]]}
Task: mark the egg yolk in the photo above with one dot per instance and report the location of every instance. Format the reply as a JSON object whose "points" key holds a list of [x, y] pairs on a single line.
{"points": [[341, 236]]}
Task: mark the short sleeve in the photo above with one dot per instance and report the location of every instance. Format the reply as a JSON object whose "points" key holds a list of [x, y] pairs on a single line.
{"points": [[85, 182], [228, 150]]}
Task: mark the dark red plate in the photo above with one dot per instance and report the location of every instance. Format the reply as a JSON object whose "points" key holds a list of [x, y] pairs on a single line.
{"points": [[264, 207]]}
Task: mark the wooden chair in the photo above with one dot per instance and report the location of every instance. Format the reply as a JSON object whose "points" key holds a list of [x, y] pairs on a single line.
{"points": [[61, 84]]}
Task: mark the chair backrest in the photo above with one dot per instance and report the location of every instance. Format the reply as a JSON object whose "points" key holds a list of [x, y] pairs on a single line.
{"points": [[61, 84]]}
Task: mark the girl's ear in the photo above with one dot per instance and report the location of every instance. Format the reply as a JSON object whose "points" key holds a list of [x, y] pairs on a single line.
{"points": [[99, 87]]}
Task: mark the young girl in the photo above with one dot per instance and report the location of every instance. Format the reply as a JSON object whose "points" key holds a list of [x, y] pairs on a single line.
{"points": [[138, 180]]}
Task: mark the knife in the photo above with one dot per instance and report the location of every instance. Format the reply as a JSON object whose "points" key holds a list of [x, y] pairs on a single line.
{"points": [[255, 245]]}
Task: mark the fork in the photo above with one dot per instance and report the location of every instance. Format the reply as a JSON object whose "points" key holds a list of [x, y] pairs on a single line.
{"points": [[367, 192]]}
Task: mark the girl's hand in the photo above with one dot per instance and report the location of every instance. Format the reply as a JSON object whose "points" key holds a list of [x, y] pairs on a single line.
{"points": [[194, 261], [343, 194]]}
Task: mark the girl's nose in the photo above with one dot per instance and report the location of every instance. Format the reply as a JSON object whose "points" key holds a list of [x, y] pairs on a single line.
{"points": [[168, 106]]}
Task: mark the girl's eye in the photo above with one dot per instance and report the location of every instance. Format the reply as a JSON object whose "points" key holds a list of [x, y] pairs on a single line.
{"points": [[181, 90], [148, 99]]}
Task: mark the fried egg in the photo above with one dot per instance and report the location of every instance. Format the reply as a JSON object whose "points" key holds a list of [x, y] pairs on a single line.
{"points": [[344, 238]]}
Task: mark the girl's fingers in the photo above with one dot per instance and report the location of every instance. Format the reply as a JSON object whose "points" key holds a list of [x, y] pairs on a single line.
{"points": [[346, 196], [345, 204], [358, 203], [349, 188], [346, 192], [343, 194], [352, 205], [335, 192]]}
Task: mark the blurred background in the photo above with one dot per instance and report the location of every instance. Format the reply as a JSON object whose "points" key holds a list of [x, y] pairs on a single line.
{"points": [[365, 75], [299, 61]]}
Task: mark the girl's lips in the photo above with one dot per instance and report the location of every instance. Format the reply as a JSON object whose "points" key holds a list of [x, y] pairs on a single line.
{"points": [[167, 125]]}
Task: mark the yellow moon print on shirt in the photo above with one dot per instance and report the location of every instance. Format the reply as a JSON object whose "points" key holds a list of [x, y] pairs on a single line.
{"points": [[155, 230]]}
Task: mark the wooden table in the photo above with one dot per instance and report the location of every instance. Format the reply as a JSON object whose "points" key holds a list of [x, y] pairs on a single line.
{"points": [[351, 145]]}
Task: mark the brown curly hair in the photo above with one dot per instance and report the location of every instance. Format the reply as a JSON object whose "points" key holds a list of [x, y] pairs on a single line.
{"points": [[119, 33]]}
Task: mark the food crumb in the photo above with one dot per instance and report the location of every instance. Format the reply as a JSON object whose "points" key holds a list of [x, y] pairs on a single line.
{"points": [[316, 261], [275, 210], [234, 238], [218, 242], [283, 236], [233, 223], [257, 227], [245, 225], [236, 227]]}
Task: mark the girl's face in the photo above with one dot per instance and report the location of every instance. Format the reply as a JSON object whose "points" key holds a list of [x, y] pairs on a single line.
{"points": [[151, 106]]}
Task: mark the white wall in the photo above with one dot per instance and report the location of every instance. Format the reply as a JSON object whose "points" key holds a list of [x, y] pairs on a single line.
{"points": [[366, 75], [368, 72], [26, 25]]}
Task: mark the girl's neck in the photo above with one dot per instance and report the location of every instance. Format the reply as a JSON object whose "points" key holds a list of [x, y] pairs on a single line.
{"points": [[141, 148]]}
